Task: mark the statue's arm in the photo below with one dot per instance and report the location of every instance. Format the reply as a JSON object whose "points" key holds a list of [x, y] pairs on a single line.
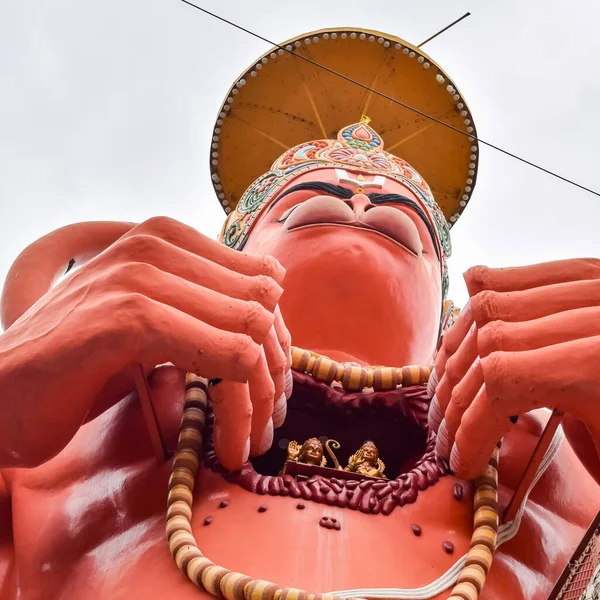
{"points": [[529, 338], [149, 294]]}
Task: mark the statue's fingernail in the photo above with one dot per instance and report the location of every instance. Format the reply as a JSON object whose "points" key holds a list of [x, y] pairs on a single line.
{"points": [[442, 442], [432, 383], [279, 411], [267, 438], [289, 383], [246, 450], [435, 414]]}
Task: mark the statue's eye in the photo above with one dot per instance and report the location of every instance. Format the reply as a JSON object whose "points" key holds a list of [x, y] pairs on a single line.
{"points": [[287, 213]]}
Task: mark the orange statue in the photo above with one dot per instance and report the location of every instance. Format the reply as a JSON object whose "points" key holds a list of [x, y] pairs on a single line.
{"points": [[340, 249]]}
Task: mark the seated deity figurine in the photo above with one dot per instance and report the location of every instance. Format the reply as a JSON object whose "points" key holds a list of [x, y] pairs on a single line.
{"points": [[143, 396], [309, 453], [366, 461]]}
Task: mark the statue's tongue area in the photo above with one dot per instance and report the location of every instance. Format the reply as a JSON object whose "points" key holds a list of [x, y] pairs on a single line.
{"points": [[395, 420]]}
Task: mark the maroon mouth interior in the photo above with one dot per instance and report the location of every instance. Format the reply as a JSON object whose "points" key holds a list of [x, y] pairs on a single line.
{"points": [[393, 421]]}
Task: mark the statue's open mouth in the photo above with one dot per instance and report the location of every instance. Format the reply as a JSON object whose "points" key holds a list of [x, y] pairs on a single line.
{"points": [[396, 421]]}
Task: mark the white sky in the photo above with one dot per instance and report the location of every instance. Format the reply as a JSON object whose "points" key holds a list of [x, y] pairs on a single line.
{"points": [[107, 108]]}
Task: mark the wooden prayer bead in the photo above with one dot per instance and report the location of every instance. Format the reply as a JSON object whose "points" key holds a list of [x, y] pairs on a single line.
{"points": [[259, 589], [190, 437], [184, 556], [193, 379], [486, 495], [179, 509], [486, 516], [369, 382], [495, 457], [177, 523], [232, 585], [324, 369], [385, 379], [474, 575], [180, 492], [181, 476], [486, 536], [410, 375], [293, 594], [479, 555], [196, 567], [465, 591], [310, 364], [488, 477], [180, 539], [211, 579], [300, 359], [187, 458], [196, 398], [354, 378], [193, 417]]}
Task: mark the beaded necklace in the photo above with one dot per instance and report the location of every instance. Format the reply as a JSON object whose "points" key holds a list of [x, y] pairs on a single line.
{"points": [[223, 583]]}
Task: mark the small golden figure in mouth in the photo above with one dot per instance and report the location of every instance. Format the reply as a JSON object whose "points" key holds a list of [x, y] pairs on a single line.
{"points": [[366, 461], [311, 453]]}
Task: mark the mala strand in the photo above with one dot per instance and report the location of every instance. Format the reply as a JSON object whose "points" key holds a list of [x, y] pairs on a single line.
{"points": [[356, 378], [223, 583]]}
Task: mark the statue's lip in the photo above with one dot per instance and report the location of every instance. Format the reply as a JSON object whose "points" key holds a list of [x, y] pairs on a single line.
{"points": [[356, 225]]}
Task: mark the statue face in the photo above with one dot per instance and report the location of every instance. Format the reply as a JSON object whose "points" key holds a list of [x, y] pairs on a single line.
{"points": [[370, 452], [363, 279], [312, 450]]}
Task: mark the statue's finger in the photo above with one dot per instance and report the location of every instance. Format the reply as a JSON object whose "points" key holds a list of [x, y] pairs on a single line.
{"points": [[534, 303], [204, 304], [276, 361], [284, 337], [563, 376], [199, 270], [479, 432], [262, 396], [456, 367], [538, 333], [233, 420], [452, 339], [191, 240], [461, 398], [482, 278], [166, 334]]}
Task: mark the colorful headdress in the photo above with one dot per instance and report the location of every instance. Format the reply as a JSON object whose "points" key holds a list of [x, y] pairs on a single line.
{"points": [[357, 147]]}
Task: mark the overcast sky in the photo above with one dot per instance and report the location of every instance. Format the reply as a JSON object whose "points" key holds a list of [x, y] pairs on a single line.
{"points": [[107, 108]]}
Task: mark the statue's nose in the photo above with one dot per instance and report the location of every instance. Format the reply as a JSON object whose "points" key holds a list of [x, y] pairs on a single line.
{"points": [[359, 203]]}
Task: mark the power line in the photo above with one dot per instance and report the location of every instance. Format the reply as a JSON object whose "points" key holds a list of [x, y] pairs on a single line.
{"points": [[394, 100], [468, 14]]}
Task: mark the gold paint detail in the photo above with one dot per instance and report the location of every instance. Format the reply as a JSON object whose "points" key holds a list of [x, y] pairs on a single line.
{"points": [[366, 461]]}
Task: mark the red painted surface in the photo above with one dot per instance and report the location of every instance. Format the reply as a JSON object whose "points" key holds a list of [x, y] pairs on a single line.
{"points": [[82, 496]]}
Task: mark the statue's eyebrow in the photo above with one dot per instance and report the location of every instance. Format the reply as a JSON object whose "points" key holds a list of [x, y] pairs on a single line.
{"points": [[317, 186], [399, 199]]}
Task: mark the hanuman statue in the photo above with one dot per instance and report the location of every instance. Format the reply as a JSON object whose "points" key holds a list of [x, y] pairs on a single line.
{"points": [[136, 391]]}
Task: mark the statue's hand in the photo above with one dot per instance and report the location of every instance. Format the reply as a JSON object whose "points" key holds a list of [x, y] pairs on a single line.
{"points": [[161, 293], [529, 338]]}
